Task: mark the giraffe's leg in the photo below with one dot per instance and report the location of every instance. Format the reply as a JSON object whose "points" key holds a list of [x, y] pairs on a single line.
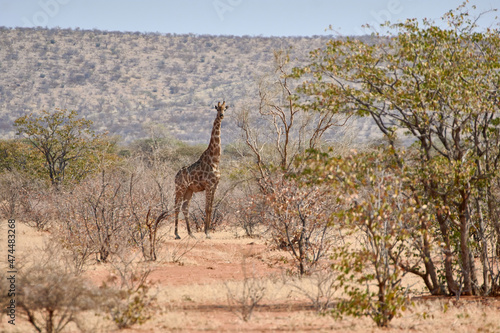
{"points": [[208, 209], [178, 202], [185, 208]]}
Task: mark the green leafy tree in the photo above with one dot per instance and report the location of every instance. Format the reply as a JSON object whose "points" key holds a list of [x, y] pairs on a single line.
{"points": [[376, 220], [68, 144], [439, 86], [18, 155]]}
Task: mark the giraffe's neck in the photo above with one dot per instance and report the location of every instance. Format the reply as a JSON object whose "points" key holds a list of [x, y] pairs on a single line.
{"points": [[214, 150]]}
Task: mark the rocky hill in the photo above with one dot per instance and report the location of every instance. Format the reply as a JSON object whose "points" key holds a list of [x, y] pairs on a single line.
{"points": [[124, 82]]}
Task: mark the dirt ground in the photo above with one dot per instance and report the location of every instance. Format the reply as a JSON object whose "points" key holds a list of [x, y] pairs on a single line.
{"points": [[193, 278]]}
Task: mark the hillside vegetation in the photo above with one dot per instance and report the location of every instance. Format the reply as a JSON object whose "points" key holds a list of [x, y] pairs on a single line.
{"points": [[125, 81]]}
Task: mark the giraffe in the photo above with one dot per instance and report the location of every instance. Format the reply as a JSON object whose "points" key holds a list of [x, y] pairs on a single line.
{"points": [[202, 175]]}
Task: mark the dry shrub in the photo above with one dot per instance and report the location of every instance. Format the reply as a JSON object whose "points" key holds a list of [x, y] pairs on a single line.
{"points": [[50, 295], [180, 248], [298, 218], [30, 200], [248, 211], [113, 211], [129, 300], [295, 218], [38, 207], [319, 288], [53, 296], [148, 204], [94, 217], [11, 186], [244, 299]]}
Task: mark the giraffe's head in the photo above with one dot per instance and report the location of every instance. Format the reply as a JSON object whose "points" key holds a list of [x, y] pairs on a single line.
{"points": [[221, 108]]}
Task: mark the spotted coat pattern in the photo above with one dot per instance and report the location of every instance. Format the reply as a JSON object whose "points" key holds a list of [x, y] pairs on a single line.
{"points": [[202, 175]]}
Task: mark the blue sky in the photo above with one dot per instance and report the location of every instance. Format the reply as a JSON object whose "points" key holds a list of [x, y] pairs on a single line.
{"points": [[226, 17]]}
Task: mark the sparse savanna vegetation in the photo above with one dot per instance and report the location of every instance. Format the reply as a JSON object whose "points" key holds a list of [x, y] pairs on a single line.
{"points": [[314, 228]]}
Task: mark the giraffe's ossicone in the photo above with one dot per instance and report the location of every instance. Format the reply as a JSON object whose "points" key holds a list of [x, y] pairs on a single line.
{"points": [[202, 175]]}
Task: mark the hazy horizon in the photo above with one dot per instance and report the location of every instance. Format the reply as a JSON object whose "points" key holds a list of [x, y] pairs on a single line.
{"points": [[227, 17]]}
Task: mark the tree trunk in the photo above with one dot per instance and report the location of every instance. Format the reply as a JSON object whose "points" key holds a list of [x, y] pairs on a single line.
{"points": [[464, 245], [484, 248], [448, 261], [433, 285]]}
